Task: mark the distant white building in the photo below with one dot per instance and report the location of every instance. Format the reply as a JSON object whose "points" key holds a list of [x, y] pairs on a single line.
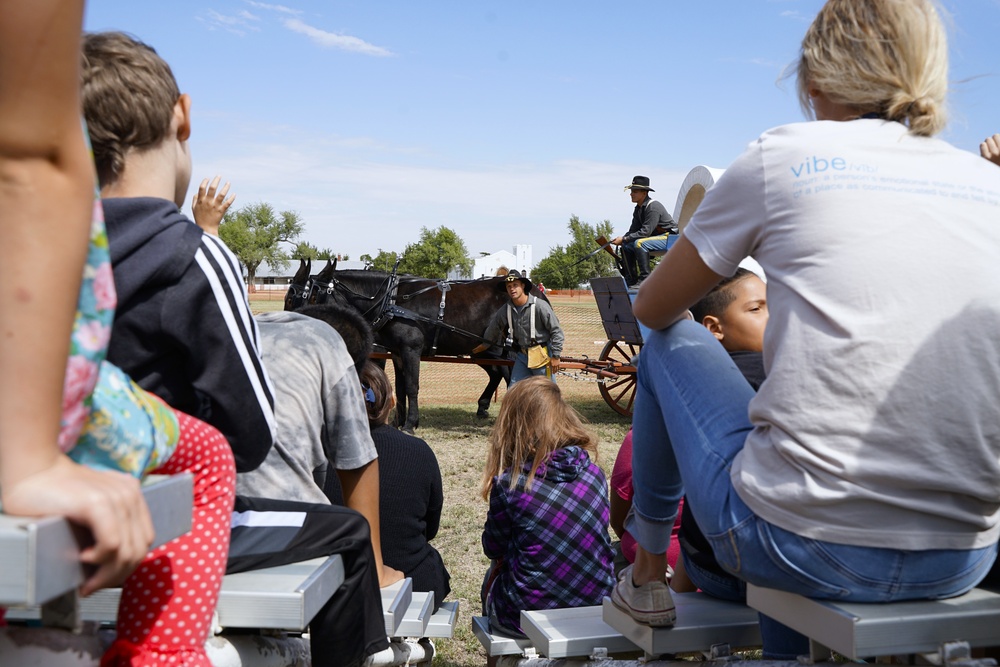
{"points": [[267, 279], [520, 259]]}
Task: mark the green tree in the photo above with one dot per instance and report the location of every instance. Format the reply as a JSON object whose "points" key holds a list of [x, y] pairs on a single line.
{"points": [[436, 254], [254, 232], [562, 268], [305, 250], [383, 261]]}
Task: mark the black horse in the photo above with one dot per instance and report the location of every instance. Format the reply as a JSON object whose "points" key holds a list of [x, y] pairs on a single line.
{"points": [[429, 317]]}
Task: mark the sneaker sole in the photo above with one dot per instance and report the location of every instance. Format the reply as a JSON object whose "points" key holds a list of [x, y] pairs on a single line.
{"points": [[656, 619]]}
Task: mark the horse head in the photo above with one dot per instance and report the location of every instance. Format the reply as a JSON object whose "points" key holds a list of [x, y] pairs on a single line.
{"points": [[323, 283], [298, 289]]}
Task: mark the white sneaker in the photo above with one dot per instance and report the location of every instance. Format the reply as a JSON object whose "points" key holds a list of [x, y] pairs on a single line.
{"points": [[649, 604]]}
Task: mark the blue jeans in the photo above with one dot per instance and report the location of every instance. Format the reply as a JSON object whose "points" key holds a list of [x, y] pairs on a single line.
{"points": [[635, 254], [690, 421], [521, 370]]}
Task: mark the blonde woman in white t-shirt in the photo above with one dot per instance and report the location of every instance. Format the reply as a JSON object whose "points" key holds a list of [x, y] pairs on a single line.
{"points": [[860, 471]]}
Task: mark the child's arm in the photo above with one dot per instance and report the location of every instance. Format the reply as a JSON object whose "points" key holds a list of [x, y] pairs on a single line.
{"points": [[360, 488], [210, 204], [677, 282], [46, 202]]}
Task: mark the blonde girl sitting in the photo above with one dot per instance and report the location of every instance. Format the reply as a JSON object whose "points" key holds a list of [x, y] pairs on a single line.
{"points": [[547, 527]]}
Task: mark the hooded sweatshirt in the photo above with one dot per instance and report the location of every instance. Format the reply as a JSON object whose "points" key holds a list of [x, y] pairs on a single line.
{"points": [[183, 328], [552, 540]]}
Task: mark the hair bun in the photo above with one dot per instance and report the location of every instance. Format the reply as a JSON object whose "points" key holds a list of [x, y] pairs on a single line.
{"points": [[921, 106]]}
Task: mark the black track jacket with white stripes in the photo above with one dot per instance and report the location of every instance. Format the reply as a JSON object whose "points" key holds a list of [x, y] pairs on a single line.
{"points": [[183, 329]]}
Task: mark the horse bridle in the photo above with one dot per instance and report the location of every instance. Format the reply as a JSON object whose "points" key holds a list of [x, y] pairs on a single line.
{"points": [[301, 292]]}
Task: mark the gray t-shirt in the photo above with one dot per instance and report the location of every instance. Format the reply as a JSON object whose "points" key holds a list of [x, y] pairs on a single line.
{"points": [[878, 423], [319, 409]]}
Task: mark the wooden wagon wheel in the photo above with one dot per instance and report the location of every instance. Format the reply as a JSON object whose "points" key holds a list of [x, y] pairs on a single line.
{"points": [[620, 393]]}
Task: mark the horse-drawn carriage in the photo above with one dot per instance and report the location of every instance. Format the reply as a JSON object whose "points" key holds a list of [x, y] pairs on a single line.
{"points": [[614, 301], [421, 319]]}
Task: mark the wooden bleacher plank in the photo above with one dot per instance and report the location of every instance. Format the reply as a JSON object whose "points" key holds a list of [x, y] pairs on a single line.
{"points": [[395, 601], [442, 622], [701, 622], [567, 633], [414, 623], [497, 645], [41, 559], [858, 630]]}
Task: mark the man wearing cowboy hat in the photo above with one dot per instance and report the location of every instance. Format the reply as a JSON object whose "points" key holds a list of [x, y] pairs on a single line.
{"points": [[525, 322], [652, 229]]}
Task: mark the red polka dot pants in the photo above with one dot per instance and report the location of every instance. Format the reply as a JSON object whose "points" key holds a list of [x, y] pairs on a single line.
{"points": [[166, 606]]}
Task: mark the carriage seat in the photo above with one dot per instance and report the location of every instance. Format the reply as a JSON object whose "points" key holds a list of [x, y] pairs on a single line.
{"points": [[857, 630]]}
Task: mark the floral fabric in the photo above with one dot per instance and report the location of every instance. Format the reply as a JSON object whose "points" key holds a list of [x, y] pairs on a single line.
{"points": [[108, 421]]}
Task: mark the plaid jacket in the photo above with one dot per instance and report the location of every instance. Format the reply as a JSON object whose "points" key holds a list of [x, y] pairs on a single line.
{"points": [[553, 540]]}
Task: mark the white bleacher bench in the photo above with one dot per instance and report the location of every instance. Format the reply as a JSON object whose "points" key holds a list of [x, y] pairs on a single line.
{"points": [[41, 557], [40, 572], [702, 623], [498, 645], [570, 633], [396, 600], [281, 599], [408, 613], [411, 626], [860, 630], [285, 597]]}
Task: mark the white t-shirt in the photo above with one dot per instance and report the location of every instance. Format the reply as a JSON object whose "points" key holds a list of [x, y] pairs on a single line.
{"points": [[879, 422]]}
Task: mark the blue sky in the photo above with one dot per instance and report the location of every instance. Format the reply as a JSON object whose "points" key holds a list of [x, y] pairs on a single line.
{"points": [[500, 120]]}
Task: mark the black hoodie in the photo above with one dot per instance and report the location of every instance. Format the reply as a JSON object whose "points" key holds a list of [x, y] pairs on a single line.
{"points": [[183, 329]]}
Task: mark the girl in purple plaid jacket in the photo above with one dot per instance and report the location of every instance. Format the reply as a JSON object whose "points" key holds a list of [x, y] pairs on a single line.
{"points": [[546, 532]]}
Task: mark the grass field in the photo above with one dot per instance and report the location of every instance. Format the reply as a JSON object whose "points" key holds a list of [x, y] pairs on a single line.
{"points": [[449, 425]]}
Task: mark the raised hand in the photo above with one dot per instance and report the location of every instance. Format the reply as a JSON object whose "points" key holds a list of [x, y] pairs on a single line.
{"points": [[210, 204], [990, 149]]}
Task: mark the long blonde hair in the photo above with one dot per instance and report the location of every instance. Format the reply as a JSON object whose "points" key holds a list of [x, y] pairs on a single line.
{"points": [[534, 421], [888, 57]]}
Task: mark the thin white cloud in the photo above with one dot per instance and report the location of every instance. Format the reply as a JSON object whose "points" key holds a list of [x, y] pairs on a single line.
{"points": [[332, 40], [274, 8], [240, 23], [356, 195], [757, 62], [795, 15]]}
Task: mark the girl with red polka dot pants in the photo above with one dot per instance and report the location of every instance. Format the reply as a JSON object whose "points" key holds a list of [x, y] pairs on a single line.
{"points": [[167, 604]]}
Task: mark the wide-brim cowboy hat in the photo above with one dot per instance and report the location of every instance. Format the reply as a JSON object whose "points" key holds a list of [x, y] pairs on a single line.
{"points": [[511, 277], [640, 183]]}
